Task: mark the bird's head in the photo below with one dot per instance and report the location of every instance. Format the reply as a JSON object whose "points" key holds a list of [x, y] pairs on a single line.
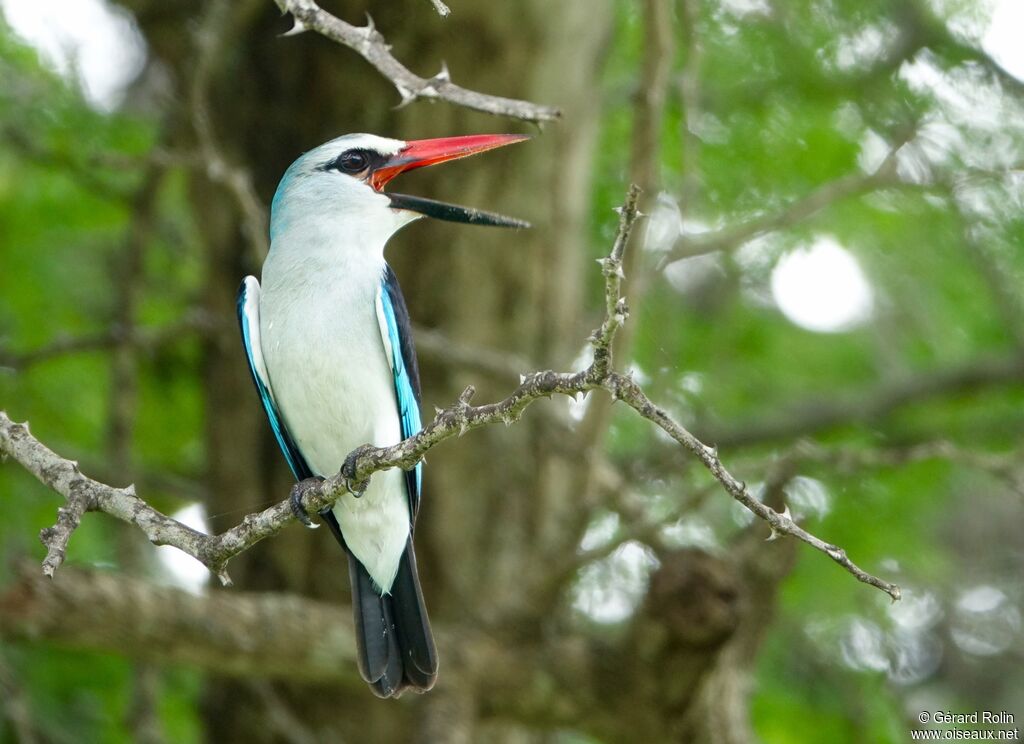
{"points": [[341, 184]]}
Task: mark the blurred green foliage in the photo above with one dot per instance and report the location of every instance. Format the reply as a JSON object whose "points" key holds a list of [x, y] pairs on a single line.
{"points": [[779, 123], [64, 212]]}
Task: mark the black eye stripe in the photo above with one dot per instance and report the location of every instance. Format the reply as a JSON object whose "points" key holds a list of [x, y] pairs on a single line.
{"points": [[354, 161]]}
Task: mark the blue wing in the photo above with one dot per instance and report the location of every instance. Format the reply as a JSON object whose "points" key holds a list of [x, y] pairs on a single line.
{"points": [[397, 335], [248, 306]]}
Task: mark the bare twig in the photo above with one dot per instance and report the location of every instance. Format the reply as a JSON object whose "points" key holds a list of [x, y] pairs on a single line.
{"points": [[84, 494], [816, 415], [77, 167], [640, 527], [847, 186], [645, 159], [630, 393], [1006, 466], [371, 46], [690, 97], [442, 10], [615, 308], [648, 114], [142, 716], [435, 345], [937, 34], [15, 707], [210, 42], [66, 480], [996, 273], [285, 725]]}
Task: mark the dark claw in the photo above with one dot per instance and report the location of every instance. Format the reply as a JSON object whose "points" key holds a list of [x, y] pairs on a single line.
{"points": [[296, 496], [348, 470]]}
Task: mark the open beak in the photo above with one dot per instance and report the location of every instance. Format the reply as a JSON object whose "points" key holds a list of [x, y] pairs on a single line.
{"points": [[421, 153]]}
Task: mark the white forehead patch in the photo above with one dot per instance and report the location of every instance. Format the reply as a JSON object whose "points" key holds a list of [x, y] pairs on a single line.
{"points": [[330, 150]]}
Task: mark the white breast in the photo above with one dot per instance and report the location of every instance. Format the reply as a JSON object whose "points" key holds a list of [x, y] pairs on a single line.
{"points": [[333, 384]]}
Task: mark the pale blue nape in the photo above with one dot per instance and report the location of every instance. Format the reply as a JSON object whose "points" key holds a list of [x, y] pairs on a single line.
{"points": [[278, 221]]}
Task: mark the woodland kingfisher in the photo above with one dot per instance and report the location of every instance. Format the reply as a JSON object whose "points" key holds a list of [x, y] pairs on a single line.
{"points": [[330, 349]]}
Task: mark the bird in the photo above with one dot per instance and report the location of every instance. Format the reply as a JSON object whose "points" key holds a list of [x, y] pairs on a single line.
{"points": [[329, 346]]}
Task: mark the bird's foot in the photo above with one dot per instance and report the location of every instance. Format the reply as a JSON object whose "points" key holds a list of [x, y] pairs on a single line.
{"points": [[298, 494], [348, 471]]}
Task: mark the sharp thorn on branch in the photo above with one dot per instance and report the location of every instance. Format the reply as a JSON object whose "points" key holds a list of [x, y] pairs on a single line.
{"points": [[776, 533], [444, 76], [298, 27], [406, 95]]}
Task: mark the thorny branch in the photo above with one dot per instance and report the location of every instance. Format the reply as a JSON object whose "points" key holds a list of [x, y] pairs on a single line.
{"points": [[371, 46], [84, 494]]}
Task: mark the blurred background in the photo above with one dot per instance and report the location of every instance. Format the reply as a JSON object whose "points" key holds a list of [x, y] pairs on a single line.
{"points": [[827, 286]]}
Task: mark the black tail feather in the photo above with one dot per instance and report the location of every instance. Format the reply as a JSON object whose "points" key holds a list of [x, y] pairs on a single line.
{"points": [[378, 654], [395, 646], [412, 625]]}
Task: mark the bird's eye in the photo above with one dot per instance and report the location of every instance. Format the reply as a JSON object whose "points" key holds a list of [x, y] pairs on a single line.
{"points": [[352, 161]]}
